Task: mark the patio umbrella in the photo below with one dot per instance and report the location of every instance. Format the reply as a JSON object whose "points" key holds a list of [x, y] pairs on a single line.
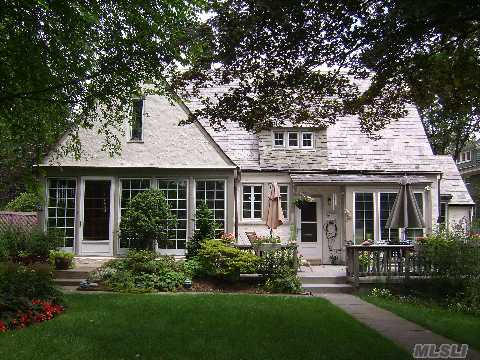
{"points": [[405, 212], [274, 212]]}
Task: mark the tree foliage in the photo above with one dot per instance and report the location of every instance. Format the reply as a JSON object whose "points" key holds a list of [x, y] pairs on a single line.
{"points": [[205, 229], [147, 220], [270, 57], [71, 64]]}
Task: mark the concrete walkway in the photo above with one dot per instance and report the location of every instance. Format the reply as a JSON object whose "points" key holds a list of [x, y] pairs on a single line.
{"points": [[403, 332]]}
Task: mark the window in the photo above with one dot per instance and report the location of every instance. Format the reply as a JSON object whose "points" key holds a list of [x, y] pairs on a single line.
{"points": [[284, 200], [386, 206], [364, 210], [130, 188], [61, 208], [413, 233], [213, 193], [176, 194], [443, 213], [293, 139], [307, 140], [136, 123], [278, 139], [252, 202], [465, 156]]}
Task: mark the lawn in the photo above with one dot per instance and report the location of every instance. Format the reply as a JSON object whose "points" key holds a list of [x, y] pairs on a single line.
{"points": [[460, 327], [189, 326]]}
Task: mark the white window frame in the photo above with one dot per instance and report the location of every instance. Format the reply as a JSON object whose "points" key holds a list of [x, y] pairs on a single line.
{"points": [[252, 202], [75, 217], [464, 157], [287, 210], [225, 209], [187, 217], [379, 216], [423, 213], [283, 139], [141, 122], [375, 216], [311, 140], [298, 139]]}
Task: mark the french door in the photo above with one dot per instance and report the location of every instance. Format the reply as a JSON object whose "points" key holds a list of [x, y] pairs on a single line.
{"points": [[96, 221]]}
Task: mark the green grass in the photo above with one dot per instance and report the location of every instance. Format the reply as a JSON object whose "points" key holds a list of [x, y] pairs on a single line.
{"points": [[460, 327], [188, 326]]}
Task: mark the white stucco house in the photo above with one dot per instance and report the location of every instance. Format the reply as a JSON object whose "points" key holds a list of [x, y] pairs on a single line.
{"points": [[352, 179]]}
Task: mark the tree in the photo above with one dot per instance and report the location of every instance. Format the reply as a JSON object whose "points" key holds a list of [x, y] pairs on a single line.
{"points": [[205, 229], [71, 64], [271, 57], [147, 220]]}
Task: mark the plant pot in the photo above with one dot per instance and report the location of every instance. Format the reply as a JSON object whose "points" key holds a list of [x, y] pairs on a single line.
{"points": [[62, 263]]}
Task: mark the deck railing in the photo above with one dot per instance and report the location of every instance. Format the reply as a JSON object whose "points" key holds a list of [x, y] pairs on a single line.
{"points": [[380, 260]]}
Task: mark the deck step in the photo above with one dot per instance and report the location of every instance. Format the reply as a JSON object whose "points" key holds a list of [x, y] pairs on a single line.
{"points": [[328, 288], [67, 282], [71, 274], [315, 279]]}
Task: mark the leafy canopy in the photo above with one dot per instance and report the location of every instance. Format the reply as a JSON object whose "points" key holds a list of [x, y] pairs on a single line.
{"points": [[271, 57]]}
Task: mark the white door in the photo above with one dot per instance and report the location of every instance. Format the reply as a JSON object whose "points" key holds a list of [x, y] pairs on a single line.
{"points": [[309, 237], [96, 216]]}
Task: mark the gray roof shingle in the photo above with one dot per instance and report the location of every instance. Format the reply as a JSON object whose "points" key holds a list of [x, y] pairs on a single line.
{"points": [[452, 183]]}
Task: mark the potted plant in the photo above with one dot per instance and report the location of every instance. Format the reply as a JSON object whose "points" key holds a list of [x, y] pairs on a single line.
{"points": [[302, 200], [61, 259]]}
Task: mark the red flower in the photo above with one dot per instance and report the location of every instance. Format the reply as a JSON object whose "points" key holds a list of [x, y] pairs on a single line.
{"points": [[3, 326]]}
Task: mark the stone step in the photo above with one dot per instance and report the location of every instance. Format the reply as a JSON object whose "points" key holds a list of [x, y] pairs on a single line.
{"points": [[328, 288], [71, 274], [67, 282], [315, 279]]}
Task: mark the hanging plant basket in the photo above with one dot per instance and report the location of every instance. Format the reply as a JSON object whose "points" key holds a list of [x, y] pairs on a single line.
{"points": [[302, 200]]}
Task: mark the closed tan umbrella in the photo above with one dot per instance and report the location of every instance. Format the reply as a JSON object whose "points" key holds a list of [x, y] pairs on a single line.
{"points": [[405, 212], [274, 216]]}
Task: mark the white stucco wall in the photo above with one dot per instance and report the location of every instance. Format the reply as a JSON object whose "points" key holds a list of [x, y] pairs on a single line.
{"points": [[459, 215]]}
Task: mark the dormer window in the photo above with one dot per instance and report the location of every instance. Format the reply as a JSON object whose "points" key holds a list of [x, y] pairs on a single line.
{"points": [[136, 121], [278, 139], [293, 139], [307, 140], [465, 156]]}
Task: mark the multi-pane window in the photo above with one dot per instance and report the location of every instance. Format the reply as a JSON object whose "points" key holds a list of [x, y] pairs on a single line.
{"points": [[212, 192], [364, 217], [386, 206], [465, 156], [130, 188], [307, 140], [413, 233], [176, 194], [284, 200], [443, 213], [252, 202], [136, 122], [278, 139], [61, 208], [293, 139]]}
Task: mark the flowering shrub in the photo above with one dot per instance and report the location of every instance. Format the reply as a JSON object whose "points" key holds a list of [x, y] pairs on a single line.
{"points": [[228, 238], [29, 313]]}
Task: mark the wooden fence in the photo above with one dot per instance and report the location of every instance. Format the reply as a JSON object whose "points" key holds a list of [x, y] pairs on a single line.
{"points": [[22, 220]]}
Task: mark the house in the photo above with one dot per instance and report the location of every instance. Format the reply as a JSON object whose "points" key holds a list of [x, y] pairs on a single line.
{"points": [[468, 164], [353, 180]]}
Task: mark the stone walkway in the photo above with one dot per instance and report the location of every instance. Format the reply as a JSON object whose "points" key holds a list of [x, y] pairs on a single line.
{"points": [[403, 332]]}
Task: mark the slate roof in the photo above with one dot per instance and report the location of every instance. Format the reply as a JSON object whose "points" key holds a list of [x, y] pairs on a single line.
{"points": [[452, 183], [316, 178]]}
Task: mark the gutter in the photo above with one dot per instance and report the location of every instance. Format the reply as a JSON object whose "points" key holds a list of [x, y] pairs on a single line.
{"points": [[439, 197], [236, 182]]}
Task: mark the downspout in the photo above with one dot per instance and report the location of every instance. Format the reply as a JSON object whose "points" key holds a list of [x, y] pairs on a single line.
{"points": [[236, 182], [439, 200]]}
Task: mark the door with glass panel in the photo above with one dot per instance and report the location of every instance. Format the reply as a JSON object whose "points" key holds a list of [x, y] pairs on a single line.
{"points": [[96, 218], [309, 235]]}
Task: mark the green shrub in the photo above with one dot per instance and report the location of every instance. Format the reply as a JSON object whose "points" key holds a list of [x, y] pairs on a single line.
{"points": [[27, 282], [279, 271], [28, 246], [226, 262], [192, 268], [205, 230], [140, 271], [25, 202], [147, 220]]}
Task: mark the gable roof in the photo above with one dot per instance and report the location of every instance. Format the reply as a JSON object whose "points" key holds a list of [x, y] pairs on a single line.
{"points": [[452, 183], [166, 144]]}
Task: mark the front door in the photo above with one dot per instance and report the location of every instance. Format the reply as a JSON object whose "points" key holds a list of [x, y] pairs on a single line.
{"points": [[96, 220], [309, 235]]}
